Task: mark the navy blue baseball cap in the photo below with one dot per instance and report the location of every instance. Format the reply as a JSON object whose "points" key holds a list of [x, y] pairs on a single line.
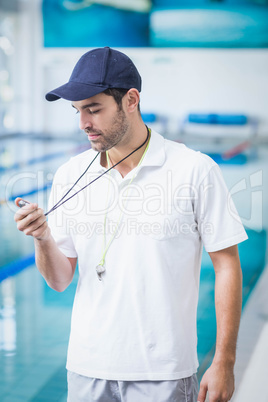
{"points": [[96, 71]]}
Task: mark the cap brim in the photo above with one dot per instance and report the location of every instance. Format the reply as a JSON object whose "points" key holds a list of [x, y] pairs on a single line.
{"points": [[75, 91]]}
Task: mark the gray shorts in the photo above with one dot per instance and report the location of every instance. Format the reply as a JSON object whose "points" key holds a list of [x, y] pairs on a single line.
{"points": [[86, 389]]}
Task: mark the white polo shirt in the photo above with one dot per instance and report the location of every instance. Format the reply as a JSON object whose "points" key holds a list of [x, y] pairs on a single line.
{"points": [[139, 322]]}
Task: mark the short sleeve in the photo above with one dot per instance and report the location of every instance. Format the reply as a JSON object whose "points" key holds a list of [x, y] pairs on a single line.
{"points": [[218, 221], [57, 218]]}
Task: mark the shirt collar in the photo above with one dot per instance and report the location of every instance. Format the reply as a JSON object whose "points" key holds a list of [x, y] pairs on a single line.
{"points": [[155, 155]]}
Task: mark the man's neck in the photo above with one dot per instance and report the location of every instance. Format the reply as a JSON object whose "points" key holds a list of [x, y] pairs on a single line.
{"points": [[117, 153]]}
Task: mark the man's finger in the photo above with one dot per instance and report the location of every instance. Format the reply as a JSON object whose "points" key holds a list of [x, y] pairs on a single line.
{"points": [[202, 393], [26, 210]]}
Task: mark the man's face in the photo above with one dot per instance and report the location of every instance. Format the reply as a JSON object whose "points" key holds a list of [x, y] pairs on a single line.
{"points": [[102, 120]]}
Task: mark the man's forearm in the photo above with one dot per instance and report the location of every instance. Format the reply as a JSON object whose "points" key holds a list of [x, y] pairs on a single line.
{"points": [[54, 266], [228, 302], [218, 380]]}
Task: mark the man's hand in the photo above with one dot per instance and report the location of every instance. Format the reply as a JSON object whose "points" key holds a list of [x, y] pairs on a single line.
{"points": [[32, 221], [57, 269], [218, 381]]}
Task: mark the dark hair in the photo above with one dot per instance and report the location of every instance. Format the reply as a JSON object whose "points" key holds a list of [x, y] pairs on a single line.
{"points": [[118, 94]]}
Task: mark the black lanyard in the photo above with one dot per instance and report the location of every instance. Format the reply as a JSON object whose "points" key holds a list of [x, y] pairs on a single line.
{"points": [[61, 202]]}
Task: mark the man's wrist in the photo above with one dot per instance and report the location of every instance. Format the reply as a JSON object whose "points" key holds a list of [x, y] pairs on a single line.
{"points": [[46, 236], [224, 359]]}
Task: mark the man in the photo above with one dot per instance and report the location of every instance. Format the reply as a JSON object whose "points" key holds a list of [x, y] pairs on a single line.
{"points": [[136, 220]]}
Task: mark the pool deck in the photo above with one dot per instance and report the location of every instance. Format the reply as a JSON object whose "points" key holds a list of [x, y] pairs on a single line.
{"points": [[252, 347]]}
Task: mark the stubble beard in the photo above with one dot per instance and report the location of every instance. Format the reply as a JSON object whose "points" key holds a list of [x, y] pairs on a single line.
{"points": [[111, 137]]}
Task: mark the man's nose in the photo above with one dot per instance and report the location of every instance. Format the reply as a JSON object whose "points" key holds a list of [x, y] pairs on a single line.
{"points": [[85, 121]]}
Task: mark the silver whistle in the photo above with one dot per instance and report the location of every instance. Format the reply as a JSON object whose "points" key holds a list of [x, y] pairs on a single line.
{"points": [[22, 203]]}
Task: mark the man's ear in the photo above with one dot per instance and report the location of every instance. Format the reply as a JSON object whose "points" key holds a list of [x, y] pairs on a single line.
{"points": [[132, 100]]}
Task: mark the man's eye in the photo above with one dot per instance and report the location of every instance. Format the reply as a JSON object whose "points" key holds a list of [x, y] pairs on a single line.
{"points": [[94, 111]]}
